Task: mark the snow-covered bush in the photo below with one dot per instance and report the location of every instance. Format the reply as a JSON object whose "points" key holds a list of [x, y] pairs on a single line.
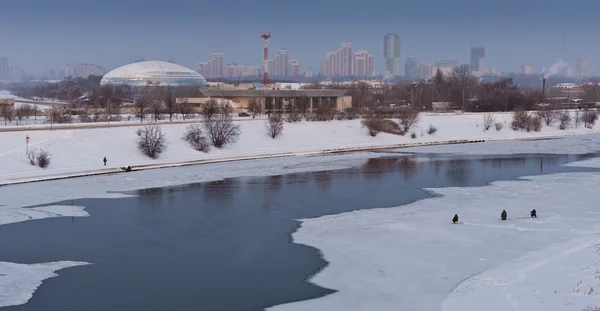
{"points": [[274, 125], [499, 126], [151, 141], [221, 130], [431, 130], [488, 121], [196, 138]]}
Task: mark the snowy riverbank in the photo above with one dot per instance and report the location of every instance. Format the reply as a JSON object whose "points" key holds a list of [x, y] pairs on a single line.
{"points": [[76, 151]]}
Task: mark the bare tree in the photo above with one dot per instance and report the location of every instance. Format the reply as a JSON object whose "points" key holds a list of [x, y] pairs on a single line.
{"points": [[548, 114], [7, 112], [255, 107], [196, 138], [373, 122], [151, 141], [488, 121], [170, 103], [293, 113], [185, 109], [221, 130], [157, 110], [564, 119], [589, 118], [577, 118], [274, 125], [408, 118], [141, 108], [211, 107]]}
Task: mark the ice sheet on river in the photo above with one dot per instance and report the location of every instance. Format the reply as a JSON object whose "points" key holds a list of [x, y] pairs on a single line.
{"points": [[18, 282]]}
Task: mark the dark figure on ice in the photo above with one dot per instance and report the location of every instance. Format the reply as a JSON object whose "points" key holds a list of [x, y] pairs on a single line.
{"points": [[533, 213], [503, 215], [105, 161], [455, 219]]}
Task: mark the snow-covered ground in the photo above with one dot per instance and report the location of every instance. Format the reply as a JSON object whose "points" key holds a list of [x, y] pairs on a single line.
{"points": [[409, 257], [83, 150]]}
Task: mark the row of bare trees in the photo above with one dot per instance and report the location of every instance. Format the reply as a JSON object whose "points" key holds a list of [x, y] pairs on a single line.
{"points": [[19, 114]]}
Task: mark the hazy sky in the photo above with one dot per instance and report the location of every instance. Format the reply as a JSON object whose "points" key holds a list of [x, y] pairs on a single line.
{"points": [[51, 33]]}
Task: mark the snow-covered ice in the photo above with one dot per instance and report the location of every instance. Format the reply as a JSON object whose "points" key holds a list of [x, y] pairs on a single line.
{"points": [[412, 257], [18, 282]]}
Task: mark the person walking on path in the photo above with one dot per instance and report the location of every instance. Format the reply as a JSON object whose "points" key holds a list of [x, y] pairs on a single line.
{"points": [[105, 161]]}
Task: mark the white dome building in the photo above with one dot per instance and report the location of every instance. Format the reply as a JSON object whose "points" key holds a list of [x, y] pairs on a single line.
{"points": [[164, 73]]}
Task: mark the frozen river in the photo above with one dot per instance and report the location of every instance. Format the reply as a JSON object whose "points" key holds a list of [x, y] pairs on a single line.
{"points": [[226, 244]]}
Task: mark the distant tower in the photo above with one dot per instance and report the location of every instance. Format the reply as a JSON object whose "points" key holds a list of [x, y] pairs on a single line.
{"points": [[266, 36]]}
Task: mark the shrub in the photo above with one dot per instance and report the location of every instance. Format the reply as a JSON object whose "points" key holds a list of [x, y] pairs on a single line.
{"points": [[196, 138], [548, 114], [431, 130], [274, 125], [413, 135], [534, 123], [499, 126], [221, 130], [374, 123], [408, 118], [31, 157], [151, 141], [564, 118], [351, 113], [589, 118], [520, 119], [43, 158], [488, 121]]}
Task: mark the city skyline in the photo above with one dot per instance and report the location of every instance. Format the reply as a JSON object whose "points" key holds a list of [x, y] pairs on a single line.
{"points": [[513, 32]]}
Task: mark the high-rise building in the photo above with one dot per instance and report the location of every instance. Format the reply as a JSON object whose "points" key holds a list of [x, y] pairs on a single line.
{"points": [[4, 68], [391, 55], [409, 67], [339, 63], [294, 68], [363, 64], [477, 59], [233, 70], [214, 68], [527, 70], [281, 64], [445, 66]]}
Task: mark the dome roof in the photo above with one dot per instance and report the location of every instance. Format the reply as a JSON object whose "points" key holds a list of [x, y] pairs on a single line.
{"points": [[139, 74]]}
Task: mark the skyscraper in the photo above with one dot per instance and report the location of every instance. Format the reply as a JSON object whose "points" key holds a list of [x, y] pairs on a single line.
{"points": [[338, 64], [410, 66], [477, 57], [363, 64], [4, 68], [391, 55]]}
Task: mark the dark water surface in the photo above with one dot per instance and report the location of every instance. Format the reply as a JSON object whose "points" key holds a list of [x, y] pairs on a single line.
{"points": [[226, 245]]}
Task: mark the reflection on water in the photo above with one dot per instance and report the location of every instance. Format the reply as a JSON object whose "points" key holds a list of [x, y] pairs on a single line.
{"points": [[225, 245]]}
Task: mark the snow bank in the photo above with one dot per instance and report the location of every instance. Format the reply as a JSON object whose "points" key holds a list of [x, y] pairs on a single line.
{"points": [[564, 276], [18, 282], [83, 150], [411, 257]]}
